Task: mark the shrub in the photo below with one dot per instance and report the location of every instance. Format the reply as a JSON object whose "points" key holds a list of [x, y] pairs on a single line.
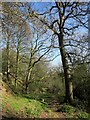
{"points": [[84, 115], [68, 109]]}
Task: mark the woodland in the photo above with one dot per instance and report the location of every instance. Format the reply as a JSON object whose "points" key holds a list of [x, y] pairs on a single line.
{"points": [[34, 84]]}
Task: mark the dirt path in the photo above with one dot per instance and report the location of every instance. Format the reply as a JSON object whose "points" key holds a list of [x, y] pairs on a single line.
{"points": [[53, 115], [54, 106]]}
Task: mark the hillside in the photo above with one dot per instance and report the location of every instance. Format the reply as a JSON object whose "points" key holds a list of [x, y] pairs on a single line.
{"points": [[17, 106], [21, 107]]}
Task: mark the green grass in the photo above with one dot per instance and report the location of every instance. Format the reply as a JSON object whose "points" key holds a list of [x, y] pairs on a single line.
{"points": [[21, 107]]}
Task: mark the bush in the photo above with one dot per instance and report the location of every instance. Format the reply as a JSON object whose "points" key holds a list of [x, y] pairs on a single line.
{"points": [[68, 109], [84, 115]]}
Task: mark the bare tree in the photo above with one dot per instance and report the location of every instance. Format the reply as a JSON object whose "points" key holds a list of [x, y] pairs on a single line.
{"points": [[38, 51], [6, 33], [63, 19]]}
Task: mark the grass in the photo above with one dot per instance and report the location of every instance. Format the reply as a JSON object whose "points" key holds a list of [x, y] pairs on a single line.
{"points": [[18, 106], [22, 107]]}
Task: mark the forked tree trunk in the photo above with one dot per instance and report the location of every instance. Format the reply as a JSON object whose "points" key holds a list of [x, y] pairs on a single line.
{"points": [[28, 77]]}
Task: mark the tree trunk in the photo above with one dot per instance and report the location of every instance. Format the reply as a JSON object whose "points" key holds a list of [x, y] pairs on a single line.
{"points": [[67, 72], [17, 63], [8, 45], [28, 77], [16, 74]]}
